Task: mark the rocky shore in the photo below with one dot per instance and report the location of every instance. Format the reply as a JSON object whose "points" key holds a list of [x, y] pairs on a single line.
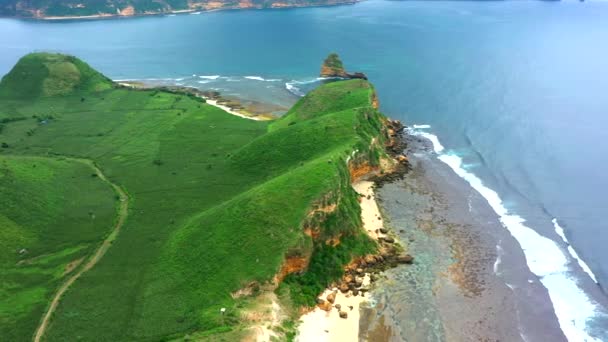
{"points": [[337, 314]]}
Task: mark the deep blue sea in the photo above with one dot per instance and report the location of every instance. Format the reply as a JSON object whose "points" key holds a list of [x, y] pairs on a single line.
{"points": [[515, 94]]}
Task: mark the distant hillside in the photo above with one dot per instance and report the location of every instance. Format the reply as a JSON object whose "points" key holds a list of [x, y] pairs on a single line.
{"points": [[80, 8]]}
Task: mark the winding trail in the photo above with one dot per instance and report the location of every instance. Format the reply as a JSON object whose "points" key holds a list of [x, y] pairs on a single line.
{"points": [[99, 253]]}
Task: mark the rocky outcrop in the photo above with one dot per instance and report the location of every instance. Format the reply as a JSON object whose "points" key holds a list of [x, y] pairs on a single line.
{"points": [[332, 67]]}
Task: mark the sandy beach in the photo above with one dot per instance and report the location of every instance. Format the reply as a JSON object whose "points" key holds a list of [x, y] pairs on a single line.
{"points": [[320, 325]]}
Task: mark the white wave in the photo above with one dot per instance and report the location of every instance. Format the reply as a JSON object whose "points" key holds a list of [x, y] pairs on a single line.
{"points": [[204, 82], [293, 89], [499, 253], [544, 257], [437, 147], [255, 78], [560, 231], [195, 13], [212, 77]]}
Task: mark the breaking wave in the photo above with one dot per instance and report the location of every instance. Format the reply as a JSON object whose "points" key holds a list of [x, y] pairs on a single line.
{"points": [[544, 257]]}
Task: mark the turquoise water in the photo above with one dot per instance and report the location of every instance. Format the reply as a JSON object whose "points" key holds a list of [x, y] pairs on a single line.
{"points": [[514, 91]]}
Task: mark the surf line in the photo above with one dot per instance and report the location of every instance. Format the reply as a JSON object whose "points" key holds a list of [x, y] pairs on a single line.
{"points": [[544, 257]]}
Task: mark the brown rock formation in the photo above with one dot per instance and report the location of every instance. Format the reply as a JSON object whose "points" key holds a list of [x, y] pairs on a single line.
{"points": [[333, 67]]}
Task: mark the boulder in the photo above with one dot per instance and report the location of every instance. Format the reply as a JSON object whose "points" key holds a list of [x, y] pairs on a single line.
{"points": [[370, 259], [331, 297], [325, 306], [383, 230], [359, 271], [387, 239], [405, 259], [344, 287], [343, 314], [338, 306]]}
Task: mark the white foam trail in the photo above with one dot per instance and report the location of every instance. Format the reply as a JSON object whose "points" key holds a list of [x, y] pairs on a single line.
{"points": [[212, 77], [544, 257], [560, 231], [499, 253], [196, 13], [437, 147], [255, 78], [293, 89]]}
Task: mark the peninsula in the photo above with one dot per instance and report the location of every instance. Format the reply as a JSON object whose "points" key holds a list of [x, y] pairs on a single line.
{"points": [[143, 214], [90, 9]]}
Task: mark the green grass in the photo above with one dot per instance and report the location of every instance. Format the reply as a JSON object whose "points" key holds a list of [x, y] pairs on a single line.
{"points": [[57, 213], [217, 201]]}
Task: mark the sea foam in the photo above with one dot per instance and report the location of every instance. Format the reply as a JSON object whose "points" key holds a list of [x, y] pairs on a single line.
{"points": [[560, 231], [211, 77], [544, 257]]}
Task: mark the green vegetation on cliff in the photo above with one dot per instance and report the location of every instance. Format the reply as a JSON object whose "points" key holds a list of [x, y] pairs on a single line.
{"points": [[217, 202]]}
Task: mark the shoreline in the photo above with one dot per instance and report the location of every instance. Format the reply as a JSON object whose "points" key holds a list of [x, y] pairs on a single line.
{"points": [[212, 100], [468, 282], [192, 11], [324, 322]]}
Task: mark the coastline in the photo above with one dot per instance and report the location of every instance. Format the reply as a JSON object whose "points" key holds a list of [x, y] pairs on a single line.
{"points": [[215, 99], [324, 322], [178, 12], [468, 282]]}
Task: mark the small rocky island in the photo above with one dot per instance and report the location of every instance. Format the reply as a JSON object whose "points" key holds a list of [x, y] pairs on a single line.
{"points": [[333, 67]]}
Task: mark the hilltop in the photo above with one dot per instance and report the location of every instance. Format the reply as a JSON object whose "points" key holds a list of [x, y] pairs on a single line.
{"points": [[222, 211], [57, 9], [47, 75]]}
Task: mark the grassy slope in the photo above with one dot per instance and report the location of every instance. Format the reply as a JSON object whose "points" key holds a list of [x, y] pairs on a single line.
{"points": [[59, 213], [217, 201]]}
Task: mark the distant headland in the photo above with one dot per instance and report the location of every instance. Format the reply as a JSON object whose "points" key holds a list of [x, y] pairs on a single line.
{"points": [[92, 9]]}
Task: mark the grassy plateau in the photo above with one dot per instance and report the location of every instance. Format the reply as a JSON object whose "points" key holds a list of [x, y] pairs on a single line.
{"points": [[216, 203]]}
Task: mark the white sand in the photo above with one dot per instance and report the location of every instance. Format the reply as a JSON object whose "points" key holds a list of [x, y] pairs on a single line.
{"points": [[369, 208], [319, 325], [228, 110]]}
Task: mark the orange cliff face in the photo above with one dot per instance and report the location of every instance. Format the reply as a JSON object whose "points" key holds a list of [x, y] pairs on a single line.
{"points": [[127, 11]]}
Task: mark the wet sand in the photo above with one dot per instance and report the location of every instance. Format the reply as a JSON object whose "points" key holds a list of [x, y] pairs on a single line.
{"points": [[469, 281]]}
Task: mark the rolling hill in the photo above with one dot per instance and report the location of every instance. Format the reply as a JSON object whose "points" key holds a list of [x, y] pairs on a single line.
{"points": [[217, 204]]}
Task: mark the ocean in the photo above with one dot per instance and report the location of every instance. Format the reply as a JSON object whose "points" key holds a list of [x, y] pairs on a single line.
{"points": [[511, 95]]}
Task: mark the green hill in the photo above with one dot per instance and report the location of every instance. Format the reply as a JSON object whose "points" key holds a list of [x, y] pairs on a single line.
{"points": [[217, 203], [44, 74]]}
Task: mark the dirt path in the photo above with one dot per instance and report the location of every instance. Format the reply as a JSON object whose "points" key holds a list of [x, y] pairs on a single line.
{"points": [[123, 210]]}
